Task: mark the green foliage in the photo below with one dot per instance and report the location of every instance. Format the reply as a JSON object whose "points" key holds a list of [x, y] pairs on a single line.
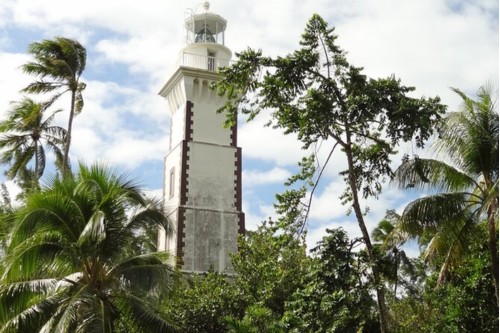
{"points": [[463, 184], [26, 135], [59, 64], [463, 304], [257, 319], [335, 296], [317, 95], [269, 266], [71, 265], [201, 304], [6, 211], [392, 260]]}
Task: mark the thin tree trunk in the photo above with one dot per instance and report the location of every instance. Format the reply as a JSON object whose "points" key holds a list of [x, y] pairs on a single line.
{"points": [[492, 241], [67, 144], [396, 275], [35, 176], [366, 236], [36, 160]]}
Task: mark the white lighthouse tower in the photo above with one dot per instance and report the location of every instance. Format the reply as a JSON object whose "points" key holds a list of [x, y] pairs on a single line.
{"points": [[202, 176]]}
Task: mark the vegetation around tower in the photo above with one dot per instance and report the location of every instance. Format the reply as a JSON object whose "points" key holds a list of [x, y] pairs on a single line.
{"points": [[75, 250]]}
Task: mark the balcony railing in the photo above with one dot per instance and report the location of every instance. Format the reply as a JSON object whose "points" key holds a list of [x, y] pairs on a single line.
{"points": [[202, 62]]}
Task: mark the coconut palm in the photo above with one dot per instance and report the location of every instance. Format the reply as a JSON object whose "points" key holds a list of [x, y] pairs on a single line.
{"points": [[389, 239], [59, 64], [26, 135], [72, 262], [464, 185]]}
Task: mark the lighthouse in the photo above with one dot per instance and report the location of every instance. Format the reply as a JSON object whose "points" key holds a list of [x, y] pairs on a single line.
{"points": [[202, 169]]}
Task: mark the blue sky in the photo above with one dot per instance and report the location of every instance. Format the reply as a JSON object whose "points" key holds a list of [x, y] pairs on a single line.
{"points": [[132, 46]]}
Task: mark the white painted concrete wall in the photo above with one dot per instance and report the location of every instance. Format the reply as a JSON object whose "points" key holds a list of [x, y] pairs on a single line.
{"points": [[211, 218], [168, 242], [208, 126]]}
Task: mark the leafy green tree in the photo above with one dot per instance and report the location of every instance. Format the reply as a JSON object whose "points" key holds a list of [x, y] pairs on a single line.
{"points": [[316, 94], [463, 181], [257, 319], [59, 63], [269, 267], [201, 304], [335, 296], [5, 210], [463, 304], [25, 134], [389, 239], [71, 266]]}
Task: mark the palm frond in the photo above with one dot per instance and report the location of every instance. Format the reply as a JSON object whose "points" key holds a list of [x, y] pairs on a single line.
{"points": [[94, 232], [470, 136], [147, 218], [140, 315], [50, 211], [383, 229], [145, 272], [15, 296], [79, 99], [432, 175], [59, 236], [452, 243], [33, 317], [73, 310], [34, 255], [75, 54], [40, 161], [21, 158], [40, 87], [432, 212]]}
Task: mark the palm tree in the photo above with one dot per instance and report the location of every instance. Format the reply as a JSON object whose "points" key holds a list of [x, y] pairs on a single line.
{"points": [[464, 184], [25, 135], [72, 263], [61, 61], [389, 239]]}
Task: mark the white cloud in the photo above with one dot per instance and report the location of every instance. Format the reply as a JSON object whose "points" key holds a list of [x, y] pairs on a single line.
{"points": [[432, 44], [255, 218], [326, 205], [11, 79], [133, 151], [140, 53], [447, 48], [256, 177], [316, 233], [13, 191], [268, 144]]}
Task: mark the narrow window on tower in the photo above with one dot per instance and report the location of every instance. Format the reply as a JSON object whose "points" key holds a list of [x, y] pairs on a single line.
{"points": [[171, 185], [211, 61]]}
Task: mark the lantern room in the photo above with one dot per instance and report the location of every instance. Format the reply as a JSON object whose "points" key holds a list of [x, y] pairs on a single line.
{"points": [[205, 27], [205, 47]]}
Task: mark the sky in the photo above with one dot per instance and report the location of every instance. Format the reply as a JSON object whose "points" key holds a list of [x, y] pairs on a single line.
{"points": [[133, 45]]}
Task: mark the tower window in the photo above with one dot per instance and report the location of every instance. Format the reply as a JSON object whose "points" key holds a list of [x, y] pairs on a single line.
{"points": [[171, 183], [204, 36], [211, 61]]}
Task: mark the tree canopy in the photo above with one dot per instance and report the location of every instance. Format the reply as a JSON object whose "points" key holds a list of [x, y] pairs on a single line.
{"points": [[59, 63], [315, 93], [71, 263], [463, 181]]}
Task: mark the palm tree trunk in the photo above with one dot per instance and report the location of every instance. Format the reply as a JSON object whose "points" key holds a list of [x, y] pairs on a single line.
{"points": [[396, 276], [492, 243], [34, 181], [36, 160], [65, 166], [366, 236]]}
